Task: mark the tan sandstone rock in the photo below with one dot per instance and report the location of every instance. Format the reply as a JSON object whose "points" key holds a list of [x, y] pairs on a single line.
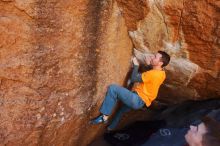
{"points": [[189, 32]]}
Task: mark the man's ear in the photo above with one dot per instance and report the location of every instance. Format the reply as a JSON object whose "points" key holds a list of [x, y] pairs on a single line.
{"points": [[161, 63]]}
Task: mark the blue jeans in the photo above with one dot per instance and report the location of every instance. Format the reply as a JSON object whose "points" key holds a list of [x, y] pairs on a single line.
{"points": [[123, 109], [114, 93]]}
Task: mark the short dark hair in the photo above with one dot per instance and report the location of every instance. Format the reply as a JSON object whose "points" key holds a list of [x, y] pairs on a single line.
{"points": [[212, 137], [165, 58]]}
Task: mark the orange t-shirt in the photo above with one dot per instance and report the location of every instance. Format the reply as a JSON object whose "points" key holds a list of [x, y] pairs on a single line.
{"points": [[148, 89]]}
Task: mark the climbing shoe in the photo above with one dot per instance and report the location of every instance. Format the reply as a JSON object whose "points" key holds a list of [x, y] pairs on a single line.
{"points": [[97, 120]]}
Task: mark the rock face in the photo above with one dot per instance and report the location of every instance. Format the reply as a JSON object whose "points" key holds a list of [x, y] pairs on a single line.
{"points": [[189, 32], [58, 57]]}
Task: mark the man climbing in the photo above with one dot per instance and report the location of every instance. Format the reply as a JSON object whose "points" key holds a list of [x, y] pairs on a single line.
{"points": [[144, 91]]}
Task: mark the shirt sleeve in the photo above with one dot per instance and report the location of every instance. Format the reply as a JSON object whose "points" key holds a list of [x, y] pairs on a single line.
{"points": [[135, 76]]}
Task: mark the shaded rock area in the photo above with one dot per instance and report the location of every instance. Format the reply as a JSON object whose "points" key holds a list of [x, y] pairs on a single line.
{"points": [[57, 58], [127, 119], [165, 127]]}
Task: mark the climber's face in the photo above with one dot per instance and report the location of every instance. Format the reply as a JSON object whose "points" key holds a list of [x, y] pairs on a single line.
{"points": [[156, 60]]}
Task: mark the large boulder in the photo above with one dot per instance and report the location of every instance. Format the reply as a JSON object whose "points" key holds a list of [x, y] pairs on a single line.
{"points": [[57, 58]]}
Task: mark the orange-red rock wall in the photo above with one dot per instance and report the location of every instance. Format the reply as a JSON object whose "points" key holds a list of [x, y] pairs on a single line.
{"points": [[56, 60]]}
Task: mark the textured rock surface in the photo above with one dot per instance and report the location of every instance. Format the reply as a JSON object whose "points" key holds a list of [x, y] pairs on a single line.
{"points": [[56, 59], [189, 31]]}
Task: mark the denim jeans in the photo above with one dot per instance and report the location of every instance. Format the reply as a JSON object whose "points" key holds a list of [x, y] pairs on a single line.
{"points": [[115, 120], [114, 93]]}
